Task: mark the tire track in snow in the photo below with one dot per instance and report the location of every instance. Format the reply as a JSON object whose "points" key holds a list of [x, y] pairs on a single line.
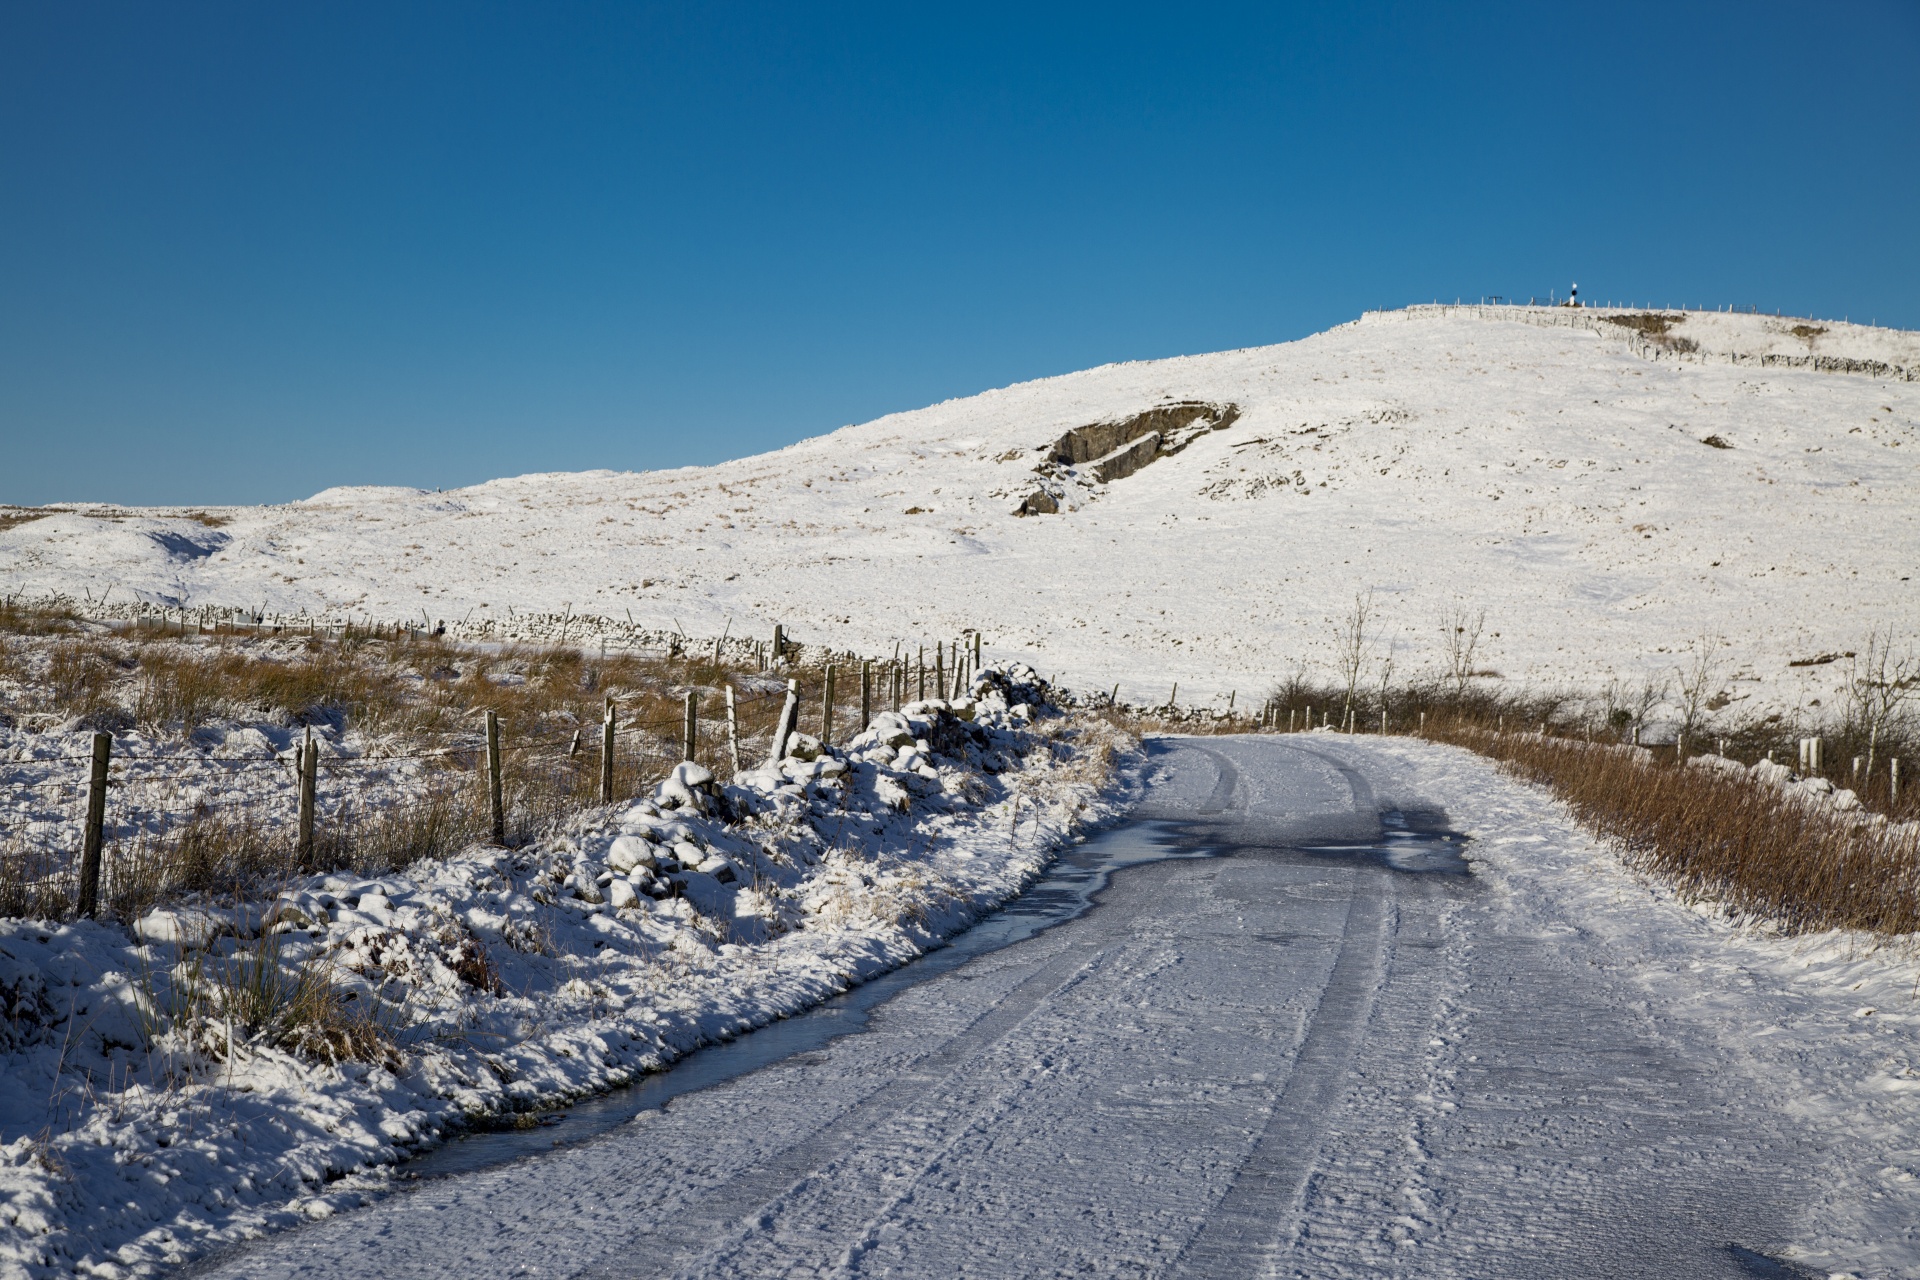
{"points": [[736, 1209], [1238, 1237]]}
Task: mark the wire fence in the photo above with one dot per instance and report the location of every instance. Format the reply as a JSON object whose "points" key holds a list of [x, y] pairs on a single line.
{"points": [[159, 822]]}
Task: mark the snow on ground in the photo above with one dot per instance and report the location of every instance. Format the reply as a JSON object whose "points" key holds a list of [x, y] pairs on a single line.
{"points": [[141, 1124], [1607, 497]]}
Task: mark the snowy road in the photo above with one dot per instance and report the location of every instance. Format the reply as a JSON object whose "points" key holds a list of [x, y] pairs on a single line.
{"points": [[1253, 1057]]}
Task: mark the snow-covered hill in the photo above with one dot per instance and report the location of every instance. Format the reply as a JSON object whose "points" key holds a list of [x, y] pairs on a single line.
{"points": [[1609, 492]]}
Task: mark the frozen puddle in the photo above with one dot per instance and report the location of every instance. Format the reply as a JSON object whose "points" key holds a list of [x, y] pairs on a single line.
{"points": [[1418, 843]]}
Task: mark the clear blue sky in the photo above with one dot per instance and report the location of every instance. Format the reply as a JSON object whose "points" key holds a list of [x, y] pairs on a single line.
{"points": [[248, 251]]}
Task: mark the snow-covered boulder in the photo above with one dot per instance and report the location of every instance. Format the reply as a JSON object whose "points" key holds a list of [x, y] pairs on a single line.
{"points": [[630, 851], [689, 786], [192, 928]]}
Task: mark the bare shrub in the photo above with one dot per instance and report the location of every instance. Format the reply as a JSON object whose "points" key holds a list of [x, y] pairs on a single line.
{"points": [[1354, 641], [1880, 682], [1698, 679], [1460, 631]]}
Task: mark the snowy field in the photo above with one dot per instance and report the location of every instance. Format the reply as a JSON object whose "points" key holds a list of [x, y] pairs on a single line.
{"points": [[1607, 497], [1345, 1060]]}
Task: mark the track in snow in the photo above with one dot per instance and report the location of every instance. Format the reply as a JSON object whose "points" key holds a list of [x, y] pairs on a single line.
{"points": [[1302, 1048]]}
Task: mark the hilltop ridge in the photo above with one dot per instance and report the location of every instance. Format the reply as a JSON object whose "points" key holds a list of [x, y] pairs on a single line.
{"points": [[1609, 485]]}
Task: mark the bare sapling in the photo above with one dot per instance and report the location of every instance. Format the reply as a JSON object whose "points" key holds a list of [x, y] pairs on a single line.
{"points": [[1880, 681], [1460, 631], [1652, 690], [1386, 680], [1355, 641], [1697, 679]]}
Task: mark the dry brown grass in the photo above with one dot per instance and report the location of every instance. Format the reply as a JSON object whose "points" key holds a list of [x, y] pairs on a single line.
{"points": [[402, 695], [35, 619], [1651, 323], [1721, 837], [257, 997], [11, 516]]}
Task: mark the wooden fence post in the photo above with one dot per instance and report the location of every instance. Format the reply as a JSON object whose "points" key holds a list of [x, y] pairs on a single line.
{"points": [[607, 727], [93, 840], [826, 708], [939, 669], [733, 731], [309, 765], [866, 694], [976, 649], [923, 673], [779, 642], [692, 726], [496, 810], [783, 728]]}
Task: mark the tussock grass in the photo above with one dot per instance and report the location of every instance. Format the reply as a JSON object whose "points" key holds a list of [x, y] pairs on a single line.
{"points": [[256, 997], [35, 619]]}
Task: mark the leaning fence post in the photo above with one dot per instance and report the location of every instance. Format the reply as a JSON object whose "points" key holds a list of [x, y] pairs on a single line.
{"points": [[733, 731], [496, 811], [309, 763], [783, 729], [866, 694], [826, 707], [607, 726], [96, 825], [692, 726]]}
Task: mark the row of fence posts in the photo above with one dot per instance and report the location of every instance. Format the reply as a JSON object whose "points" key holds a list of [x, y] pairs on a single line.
{"points": [[1813, 761], [965, 657], [93, 839]]}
